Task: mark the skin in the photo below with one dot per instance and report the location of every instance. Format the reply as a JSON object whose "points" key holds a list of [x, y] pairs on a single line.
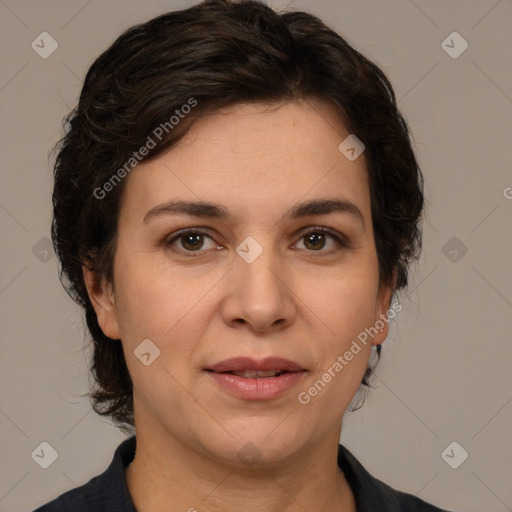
{"points": [[294, 301]]}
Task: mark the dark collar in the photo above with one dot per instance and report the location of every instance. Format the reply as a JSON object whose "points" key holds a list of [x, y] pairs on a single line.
{"points": [[109, 491]]}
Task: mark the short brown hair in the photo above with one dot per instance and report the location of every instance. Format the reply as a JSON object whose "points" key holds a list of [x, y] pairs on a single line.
{"points": [[220, 53]]}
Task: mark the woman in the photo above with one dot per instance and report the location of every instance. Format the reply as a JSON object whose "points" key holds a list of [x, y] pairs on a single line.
{"points": [[236, 203]]}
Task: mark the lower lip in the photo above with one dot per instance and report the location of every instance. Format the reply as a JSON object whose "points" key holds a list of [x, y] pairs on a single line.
{"points": [[257, 389]]}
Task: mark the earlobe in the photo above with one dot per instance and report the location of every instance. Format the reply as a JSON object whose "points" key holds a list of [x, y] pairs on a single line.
{"points": [[101, 296]]}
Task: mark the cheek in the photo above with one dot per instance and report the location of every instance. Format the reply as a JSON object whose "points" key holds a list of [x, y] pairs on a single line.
{"points": [[161, 306], [342, 358], [345, 307], [344, 310]]}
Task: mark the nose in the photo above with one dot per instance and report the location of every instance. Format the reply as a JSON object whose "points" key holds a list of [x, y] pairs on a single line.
{"points": [[259, 294]]}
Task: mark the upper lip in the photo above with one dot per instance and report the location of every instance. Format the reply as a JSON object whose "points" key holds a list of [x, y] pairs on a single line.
{"points": [[236, 364]]}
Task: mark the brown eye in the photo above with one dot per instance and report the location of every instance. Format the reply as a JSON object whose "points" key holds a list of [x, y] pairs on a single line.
{"points": [[191, 242], [188, 241], [316, 239]]}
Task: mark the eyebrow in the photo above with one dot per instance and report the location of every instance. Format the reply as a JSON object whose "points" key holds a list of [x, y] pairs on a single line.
{"points": [[203, 209]]}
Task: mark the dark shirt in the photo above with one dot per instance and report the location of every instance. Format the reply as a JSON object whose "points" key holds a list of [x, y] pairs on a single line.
{"points": [[108, 492]]}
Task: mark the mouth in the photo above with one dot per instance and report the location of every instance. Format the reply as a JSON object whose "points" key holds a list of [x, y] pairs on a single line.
{"points": [[257, 374], [252, 368], [252, 379]]}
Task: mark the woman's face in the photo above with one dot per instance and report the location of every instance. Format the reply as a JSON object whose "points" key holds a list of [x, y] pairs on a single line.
{"points": [[260, 282]]}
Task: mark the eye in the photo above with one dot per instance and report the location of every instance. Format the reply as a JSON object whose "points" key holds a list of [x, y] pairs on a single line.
{"points": [[192, 240], [315, 239]]}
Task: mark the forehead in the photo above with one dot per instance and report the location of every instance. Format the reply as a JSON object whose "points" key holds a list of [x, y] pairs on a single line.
{"points": [[254, 155]]}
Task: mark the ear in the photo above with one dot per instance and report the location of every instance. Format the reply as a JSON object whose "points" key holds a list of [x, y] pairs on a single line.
{"points": [[383, 304], [102, 299]]}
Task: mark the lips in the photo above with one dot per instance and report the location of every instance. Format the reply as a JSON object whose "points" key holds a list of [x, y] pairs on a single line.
{"points": [[253, 380], [251, 368], [257, 374]]}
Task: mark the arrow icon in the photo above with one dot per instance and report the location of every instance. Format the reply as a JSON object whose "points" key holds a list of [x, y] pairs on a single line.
{"points": [[249, 454], [249, 249], [454, 455], [454, 45], [44, 455], [43, 250], [146, 352], [44, 45], [454, 249], [351, 147]]}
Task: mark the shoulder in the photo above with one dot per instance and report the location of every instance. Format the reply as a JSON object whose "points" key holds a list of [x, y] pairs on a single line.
{"points": [[373, 494], [105, 492], [81, 499]]}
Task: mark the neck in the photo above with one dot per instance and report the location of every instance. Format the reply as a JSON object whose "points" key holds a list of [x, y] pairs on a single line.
{"points": [[173, 474]]}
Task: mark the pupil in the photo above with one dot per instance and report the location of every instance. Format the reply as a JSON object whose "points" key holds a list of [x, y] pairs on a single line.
{"points": [[193, 238], [315, 238]]}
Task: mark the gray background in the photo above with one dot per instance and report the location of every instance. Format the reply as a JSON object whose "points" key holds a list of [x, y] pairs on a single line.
{"points": [[445, 372]]}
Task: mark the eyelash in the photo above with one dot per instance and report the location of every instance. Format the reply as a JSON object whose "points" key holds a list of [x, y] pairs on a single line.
{"points": [[340, 240]]}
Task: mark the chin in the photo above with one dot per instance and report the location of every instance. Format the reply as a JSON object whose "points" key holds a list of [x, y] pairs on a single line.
{"points": [[256, 446]]}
